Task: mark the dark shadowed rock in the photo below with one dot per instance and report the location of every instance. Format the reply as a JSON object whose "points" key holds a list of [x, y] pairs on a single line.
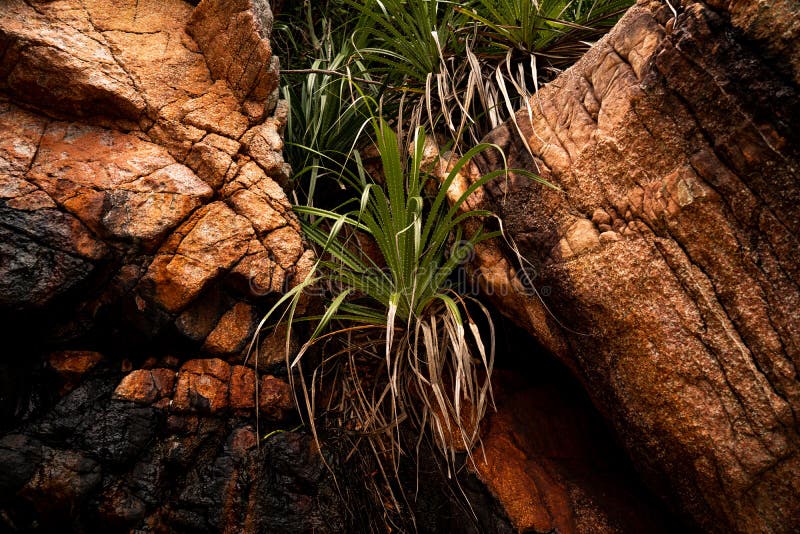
{"points": [[112, 455]]}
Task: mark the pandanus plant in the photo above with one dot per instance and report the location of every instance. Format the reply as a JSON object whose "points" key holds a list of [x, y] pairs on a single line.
{"points": [[395, 312]]}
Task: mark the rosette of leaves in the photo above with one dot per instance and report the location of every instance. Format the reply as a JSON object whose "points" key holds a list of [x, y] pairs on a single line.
{"points": [[398, 340]]}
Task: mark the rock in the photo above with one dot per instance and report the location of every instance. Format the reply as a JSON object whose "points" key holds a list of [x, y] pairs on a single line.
{"points": [[264, 143], [120, 187], [51, 63], [200, 318], [228, 31], [61, 482], [207, 386], [582, 236], [776, 29], [601, 217], [243, 388], [609, 237], [145, 386], [45, 251], [21, 456], [681, 319], [275, 398], [271, 351], [212, 157], [125, 190], [548, 461], [102, 458], [211, 241], [202, 386], [98, 463], [286, 245], [141, 207], [233, 331], [71, 365], [217, 111]]}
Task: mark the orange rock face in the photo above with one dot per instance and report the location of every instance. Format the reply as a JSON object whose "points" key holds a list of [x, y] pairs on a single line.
{"points": [[120, 187], [208, 386], [275, 398], [243, 388], [550, 465], [146, 386], [73, 363], [233, 331], [202, 386], [145, 137]]}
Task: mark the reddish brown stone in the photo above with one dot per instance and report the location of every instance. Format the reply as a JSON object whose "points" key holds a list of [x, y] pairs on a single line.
{"points": [[227, 31], [118, 185], [52, 63], [217, 111], [243, 388], [681, 316], [549, 462], [71, 364], [212, 159], [533, 500], [272, 349], [134, 95], [286, 245], [202, 386], [275, 398], [113, 123], [146, 386], [198, 320], [264, 144], [232, 332], [210, 366], [63, 479], [215, 238], [242, 440]]}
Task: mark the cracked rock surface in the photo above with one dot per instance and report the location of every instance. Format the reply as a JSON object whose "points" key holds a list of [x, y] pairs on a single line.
{"points": [[141, 197], [144, 231], [166, 450], [666, 266], [141, 166]]}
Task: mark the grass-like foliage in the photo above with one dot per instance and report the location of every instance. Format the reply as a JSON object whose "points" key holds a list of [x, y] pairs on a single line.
{"points": [[459, 68], [326, 112], [398, 345], [556, 30], [408, 38], [408, 350]]}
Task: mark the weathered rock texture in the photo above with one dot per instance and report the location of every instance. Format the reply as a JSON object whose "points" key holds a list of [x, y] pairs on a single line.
{"points": [[141, 167], [167, 451], [666, 266], [141, 193], [142, 209], [173, 447], [552, 466]]}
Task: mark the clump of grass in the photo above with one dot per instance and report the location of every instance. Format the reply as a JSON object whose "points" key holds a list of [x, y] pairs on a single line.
{"points": [[326, 113], [399, 346], [408, 350]]}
